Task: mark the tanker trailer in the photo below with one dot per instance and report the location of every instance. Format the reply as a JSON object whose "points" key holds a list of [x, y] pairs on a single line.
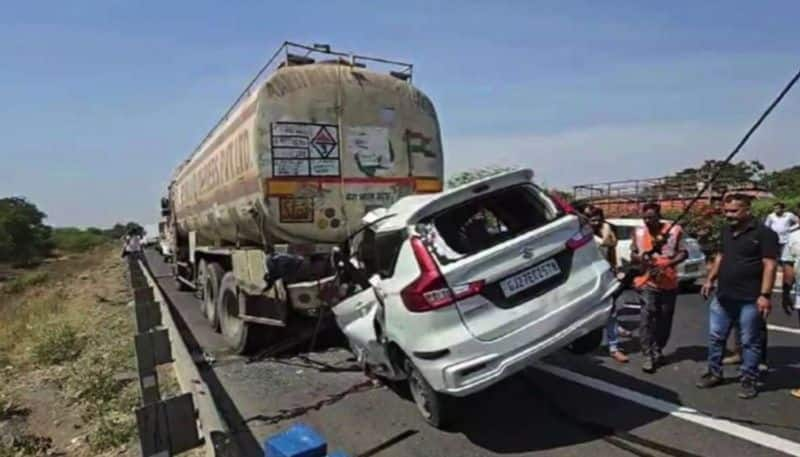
{"points": [[318, 139]]}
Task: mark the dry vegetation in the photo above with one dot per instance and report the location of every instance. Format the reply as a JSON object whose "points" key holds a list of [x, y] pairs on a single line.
{"points": [[67, 367]]}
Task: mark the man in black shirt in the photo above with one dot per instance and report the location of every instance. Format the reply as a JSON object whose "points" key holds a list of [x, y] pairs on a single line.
{"points": [[746, 271]]}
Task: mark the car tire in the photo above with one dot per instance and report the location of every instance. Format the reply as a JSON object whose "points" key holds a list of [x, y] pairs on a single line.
{"points": [[240, 336], [214, 274], [436, 408], [587, 343]]}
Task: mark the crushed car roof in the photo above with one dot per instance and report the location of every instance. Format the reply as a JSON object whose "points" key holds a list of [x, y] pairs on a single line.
{"points": [[409, 210]]}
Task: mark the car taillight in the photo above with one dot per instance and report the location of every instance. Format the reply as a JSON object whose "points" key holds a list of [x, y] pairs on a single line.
{"points": [[584, 236], [562, 204], [430, 290]]}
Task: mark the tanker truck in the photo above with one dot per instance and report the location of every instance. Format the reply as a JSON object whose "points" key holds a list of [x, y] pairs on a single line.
{"points": [[318, 139]]}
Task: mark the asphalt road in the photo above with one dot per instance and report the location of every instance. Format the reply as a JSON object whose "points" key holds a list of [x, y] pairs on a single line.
{"points": [[567, 406]]}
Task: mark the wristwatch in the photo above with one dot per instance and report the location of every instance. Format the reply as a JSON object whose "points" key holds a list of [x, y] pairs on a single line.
{"points": [[768, 296]]}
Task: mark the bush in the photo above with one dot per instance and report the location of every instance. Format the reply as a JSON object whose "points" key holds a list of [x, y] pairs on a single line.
{"points": [[56, 344], [24, 238], [24, 282], [71, 239]]}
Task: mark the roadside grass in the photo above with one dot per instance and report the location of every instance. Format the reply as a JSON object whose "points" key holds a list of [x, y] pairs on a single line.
{"points": [[72, 239], [24, 282], [77, 334]]}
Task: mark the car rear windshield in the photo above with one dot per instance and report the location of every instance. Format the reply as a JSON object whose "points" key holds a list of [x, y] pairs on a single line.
{"points": [[486, 221]]}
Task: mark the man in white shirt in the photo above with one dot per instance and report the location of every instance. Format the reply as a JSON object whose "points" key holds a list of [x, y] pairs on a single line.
{"points": [[783, 223], [793, 246]]}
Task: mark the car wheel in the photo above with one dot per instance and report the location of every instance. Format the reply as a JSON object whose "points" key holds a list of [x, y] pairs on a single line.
{"points": [[214, 274], [587, 343], [434, 407]]}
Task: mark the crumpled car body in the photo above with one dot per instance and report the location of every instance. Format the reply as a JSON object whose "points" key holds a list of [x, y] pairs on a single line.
{"points": [[472, 285]]}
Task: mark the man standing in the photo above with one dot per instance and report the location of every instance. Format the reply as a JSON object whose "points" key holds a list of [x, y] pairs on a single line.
{"points": [[782, 223], [745, 267], [607, 242], [794, 251], [657, 248]]}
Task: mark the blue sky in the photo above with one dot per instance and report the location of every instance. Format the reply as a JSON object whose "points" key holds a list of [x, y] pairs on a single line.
{"points": [[99, 100]]}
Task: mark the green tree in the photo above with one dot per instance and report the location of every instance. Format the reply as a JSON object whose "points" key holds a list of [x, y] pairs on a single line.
{"points": [[24, 238], [784, 183], [466, 177]]}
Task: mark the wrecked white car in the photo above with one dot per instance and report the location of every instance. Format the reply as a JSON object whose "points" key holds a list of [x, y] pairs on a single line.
{"points": [[460, 289]]}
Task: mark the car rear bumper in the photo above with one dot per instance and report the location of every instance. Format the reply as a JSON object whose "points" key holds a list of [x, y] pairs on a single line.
{"points": [[455, 376], [692, 270]]}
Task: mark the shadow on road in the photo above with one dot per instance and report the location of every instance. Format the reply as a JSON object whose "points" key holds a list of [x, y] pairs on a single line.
{"points": [[538, 411]]}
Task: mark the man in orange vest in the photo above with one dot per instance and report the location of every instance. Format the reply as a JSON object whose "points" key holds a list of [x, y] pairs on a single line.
{"points": [[658, 247]]}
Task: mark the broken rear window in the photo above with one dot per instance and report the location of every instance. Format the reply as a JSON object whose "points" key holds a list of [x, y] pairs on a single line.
{"points": [[486, 221]]}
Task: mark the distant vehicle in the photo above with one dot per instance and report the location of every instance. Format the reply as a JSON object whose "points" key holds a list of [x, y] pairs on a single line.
{"points": [[151, 235], [464, 288], [315, 142], [689, 271]]}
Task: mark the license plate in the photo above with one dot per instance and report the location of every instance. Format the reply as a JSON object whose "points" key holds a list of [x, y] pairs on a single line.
{"points": [[530, 277], [691, 268]]}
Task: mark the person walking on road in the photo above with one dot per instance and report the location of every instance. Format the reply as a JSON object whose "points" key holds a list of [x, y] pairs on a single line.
{"points": [[783, 222], [745, 274], [133, 245], [607, 242], [658, 247]]}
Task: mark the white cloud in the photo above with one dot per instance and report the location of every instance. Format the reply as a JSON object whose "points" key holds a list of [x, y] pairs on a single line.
{"points": [[617, 152]]}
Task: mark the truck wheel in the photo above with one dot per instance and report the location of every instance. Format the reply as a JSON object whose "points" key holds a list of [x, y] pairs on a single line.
{"points": [[436, 408], [240, 335], [213, 277], [202, 274], [587, 343]]}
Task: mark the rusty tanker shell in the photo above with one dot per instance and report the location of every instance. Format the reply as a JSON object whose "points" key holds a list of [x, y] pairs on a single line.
{"points": [[306, 155]]}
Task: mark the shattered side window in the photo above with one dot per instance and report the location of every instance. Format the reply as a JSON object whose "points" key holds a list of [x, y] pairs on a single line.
{"points": [[378, 252], [483, 222]]}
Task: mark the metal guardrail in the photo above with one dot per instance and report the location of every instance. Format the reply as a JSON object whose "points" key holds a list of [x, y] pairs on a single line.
{"points": [[171, 425]]}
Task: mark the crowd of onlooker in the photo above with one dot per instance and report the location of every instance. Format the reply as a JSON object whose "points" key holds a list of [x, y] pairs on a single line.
{"points": [[738, 287]]}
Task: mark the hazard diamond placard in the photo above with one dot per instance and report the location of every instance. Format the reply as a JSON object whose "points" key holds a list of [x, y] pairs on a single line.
{"points": [[305, 149]]}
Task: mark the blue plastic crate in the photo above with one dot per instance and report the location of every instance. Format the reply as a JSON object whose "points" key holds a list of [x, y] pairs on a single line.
{"points": [[298, 441]]}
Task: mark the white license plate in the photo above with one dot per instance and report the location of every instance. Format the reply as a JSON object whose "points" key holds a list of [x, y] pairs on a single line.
{"points": [[530, 277]]}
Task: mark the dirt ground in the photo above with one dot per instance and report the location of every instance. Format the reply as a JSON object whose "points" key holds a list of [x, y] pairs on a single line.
{"points": [[68, 383]]}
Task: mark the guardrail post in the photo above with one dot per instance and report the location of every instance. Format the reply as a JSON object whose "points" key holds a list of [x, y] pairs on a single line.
{"points": [[161, 423]]}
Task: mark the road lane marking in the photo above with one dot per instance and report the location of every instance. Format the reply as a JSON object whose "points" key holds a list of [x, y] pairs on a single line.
{"points": [[784, 329], [681, 412]]}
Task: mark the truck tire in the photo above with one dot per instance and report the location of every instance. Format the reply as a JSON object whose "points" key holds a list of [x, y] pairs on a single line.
{"points": [[199, 292], [240, 335], [213, 277], [587, 343], [436, 408]]}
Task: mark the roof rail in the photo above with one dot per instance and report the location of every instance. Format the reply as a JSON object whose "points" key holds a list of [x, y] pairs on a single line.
{"points": [[293, 54]]}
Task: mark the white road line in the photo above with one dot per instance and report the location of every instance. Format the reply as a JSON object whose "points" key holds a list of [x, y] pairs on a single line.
{"points": [[779, 328], [682, 412]]}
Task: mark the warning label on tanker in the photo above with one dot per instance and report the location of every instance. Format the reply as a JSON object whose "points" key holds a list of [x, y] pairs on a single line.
{"points": [[305, 149]]}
